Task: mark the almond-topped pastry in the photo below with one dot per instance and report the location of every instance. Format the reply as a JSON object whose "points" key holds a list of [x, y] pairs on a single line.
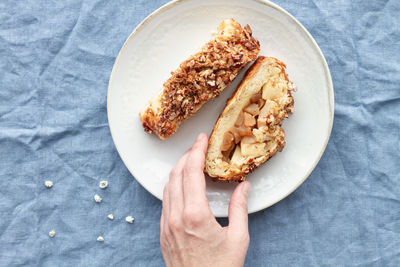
{"points": [[248, 132], [201, 77]]}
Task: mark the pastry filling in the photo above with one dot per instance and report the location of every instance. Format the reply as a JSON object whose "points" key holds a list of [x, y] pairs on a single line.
{"points": [[257, 127]]}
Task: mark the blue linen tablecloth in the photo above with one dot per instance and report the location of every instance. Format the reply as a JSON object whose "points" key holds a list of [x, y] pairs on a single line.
{"points": [[55, 61]]}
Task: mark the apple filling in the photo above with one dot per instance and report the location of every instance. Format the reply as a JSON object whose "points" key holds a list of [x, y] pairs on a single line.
{"points": [[255, 125], [242, 132]]}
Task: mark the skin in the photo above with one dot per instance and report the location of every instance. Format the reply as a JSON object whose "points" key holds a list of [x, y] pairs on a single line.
{"points": [[190, 234]]}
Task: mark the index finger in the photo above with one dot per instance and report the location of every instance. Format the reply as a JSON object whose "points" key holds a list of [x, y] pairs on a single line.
{"points": [[194, 185], [175, 188]]}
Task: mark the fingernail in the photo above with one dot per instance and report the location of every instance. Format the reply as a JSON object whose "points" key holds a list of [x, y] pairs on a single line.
{"points": [[199, 137]]}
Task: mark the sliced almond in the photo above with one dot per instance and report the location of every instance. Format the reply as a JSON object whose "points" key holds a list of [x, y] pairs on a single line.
{"points": [[253, 109], [248, 119]]}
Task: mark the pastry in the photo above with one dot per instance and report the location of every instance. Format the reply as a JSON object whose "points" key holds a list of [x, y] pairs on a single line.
{"points": [[200, 78], [248, 132]]}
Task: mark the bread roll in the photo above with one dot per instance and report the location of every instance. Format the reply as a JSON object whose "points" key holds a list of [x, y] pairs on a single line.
{"points": [[248, 132], [200, 78]]}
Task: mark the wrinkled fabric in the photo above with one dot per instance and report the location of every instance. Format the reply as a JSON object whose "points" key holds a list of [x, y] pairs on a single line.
{"points": [[55, 62]]}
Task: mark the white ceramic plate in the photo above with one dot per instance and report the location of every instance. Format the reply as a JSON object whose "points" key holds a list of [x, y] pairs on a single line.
{"points": [[174, 32]]}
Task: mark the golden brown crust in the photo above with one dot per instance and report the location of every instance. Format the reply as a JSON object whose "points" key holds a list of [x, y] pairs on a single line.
{"points": [[275, 131], [200, 78]]}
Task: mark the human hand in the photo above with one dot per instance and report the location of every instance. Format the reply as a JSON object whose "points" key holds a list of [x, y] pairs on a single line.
{"points": [[190, 234]]}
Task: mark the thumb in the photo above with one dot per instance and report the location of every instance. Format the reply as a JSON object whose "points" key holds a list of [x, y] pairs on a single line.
{"points": [[238, 217]]}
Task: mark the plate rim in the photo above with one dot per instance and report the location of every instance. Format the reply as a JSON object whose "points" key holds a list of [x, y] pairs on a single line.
{"points": [[331, 93]]}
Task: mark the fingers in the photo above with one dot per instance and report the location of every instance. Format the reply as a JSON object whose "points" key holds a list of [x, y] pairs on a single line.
{"points": [[238, 215], [175, 187], [194, 186], [165, 209]]}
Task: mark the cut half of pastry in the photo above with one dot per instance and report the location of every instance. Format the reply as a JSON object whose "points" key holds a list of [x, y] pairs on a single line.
{"points": [[248, 132], [200, 78]]}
